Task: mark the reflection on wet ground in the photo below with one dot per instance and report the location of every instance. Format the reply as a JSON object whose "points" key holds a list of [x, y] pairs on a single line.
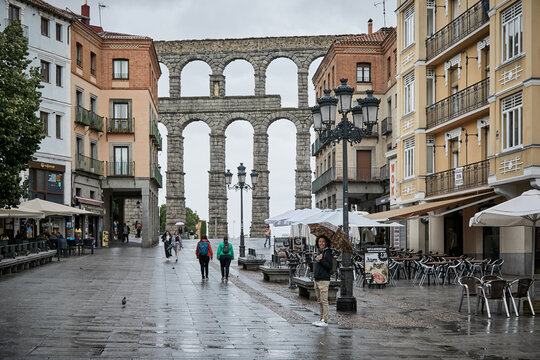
{"points": [[72, 309]]}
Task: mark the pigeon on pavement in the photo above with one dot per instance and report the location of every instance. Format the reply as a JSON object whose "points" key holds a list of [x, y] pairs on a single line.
{"points": [[124, 301]]}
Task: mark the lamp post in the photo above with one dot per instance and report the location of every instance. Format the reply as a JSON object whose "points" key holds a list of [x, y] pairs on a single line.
{"points": [[364, 118], [241, 185]]}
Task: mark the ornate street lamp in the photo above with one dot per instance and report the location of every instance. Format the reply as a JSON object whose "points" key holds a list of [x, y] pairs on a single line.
{"points": [[241, 185], [364, 118]]}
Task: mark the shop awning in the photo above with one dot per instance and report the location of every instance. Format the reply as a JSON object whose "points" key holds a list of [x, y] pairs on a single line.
{"points": [[89, 201], [422, 208], [49, 208]]}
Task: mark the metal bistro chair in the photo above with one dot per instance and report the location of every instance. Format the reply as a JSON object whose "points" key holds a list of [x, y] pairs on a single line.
{"points": [[496, 266], [523, 286], [487, 278], [492, 290], [470, 288]]}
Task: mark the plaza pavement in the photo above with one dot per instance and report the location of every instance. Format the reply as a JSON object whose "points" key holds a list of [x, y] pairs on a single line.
{"points": [[72, 310]]}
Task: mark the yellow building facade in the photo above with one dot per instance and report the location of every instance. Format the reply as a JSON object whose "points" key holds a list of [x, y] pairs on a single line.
{"points": [[467, 76]]}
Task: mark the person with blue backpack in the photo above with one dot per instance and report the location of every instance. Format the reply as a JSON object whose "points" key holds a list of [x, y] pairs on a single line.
{"points": [[204, 254], [225, 255]]}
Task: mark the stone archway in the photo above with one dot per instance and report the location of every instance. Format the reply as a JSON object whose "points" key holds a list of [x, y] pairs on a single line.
{"points": [[218, 110]]}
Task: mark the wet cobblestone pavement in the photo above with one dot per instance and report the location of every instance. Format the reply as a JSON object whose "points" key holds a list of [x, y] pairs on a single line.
{"points": [[72, 309]]}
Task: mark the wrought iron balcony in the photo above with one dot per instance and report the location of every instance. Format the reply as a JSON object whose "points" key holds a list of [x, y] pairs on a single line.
{"points": [[155, 135], [468, 99], [124, 168], [384, 173], [157, 176], [466, 177], [88, 164], [459, 28], [365, 174], [120, 126], [386, 126], [317, 145]]}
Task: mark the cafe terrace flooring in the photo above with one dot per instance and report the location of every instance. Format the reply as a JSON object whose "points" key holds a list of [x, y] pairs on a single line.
{"points": [[72, 309]]}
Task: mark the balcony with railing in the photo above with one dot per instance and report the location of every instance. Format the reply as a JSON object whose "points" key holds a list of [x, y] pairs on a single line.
{"points": [[464, 101], [120, 126], [155, 135], [451, 34], [462, 178], [386, 126], [124, 168], [89, 165], [88, 118], [157, 176], [366, 174], [384, 172]]}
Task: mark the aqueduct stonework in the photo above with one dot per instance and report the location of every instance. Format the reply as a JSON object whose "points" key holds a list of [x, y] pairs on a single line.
{"points": [[219, 110]]}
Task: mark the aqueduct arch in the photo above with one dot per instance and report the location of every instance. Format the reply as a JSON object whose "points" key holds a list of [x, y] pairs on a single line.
{"points": [[218, 111]]}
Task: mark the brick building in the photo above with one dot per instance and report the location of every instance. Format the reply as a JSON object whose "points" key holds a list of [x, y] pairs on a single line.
{"points": [[115, 137], [368, 61]]}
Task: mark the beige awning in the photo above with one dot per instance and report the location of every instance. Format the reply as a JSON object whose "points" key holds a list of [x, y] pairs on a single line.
{"points": [[422, 208], [49, 208]]}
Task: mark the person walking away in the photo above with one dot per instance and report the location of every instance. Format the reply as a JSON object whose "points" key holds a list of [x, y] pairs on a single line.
{"points": [[321, 274], [225, 255], [177, 244], [139, 229], [125, 233], [267, 233], [191, 234], [204, 254], [166, 239], [186, 232]]}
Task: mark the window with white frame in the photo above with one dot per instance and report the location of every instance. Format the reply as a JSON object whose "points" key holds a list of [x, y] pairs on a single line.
{"points": [[408, 26], [430, 18], [408, 92], [430, 153], [363, 73], [408, 169], [120, 69], [430, 86], [512, 123], [512, 25]]}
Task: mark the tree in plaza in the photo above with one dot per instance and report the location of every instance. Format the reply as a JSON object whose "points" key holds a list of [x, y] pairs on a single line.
{"points": [[191, 219], [20, 128], [162, 217]]}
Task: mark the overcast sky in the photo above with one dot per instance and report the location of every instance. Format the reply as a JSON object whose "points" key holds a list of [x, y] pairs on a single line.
{"points": [[217, 19]]}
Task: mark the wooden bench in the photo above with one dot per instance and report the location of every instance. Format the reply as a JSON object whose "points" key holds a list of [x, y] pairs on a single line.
{"points": [[306, 288], [20, 263], [251, 262]]}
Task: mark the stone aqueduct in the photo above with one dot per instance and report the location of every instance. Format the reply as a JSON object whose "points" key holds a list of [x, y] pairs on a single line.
{"points": [[219, 110]]}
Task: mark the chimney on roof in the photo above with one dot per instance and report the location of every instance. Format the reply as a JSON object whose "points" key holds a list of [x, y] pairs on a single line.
{"points": [[370, 26], [85, 12]]}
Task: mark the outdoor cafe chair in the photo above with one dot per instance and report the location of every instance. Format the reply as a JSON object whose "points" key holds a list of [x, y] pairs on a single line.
{"points": [[469, 286], [522, 291], [495, 267], [427, 272], [492, 290], [487, 278], [453, 270]]}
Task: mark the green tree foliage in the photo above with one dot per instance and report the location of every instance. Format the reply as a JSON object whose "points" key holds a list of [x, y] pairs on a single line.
{"points": [[191, 219], [162, 217], [20, 128], [203, 228]]}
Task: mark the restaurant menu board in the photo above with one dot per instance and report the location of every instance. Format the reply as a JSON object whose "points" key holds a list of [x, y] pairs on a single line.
{"points": [[376, 264]]}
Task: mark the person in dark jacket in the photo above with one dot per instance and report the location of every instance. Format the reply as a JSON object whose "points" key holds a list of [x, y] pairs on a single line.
{"points": [[167, 239], [204, 253], [321, 274]]}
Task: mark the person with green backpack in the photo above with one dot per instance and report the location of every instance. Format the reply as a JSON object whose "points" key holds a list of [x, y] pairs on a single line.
{"points": [[322, 268], [225, 254], [204, 254]]}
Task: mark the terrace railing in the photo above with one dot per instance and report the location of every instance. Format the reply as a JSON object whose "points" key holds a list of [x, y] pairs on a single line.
{"points": [[466, 177]]}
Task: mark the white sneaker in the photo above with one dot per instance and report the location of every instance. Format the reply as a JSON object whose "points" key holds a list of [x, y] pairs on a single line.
{"points": [[323, 324], [316, 323]]}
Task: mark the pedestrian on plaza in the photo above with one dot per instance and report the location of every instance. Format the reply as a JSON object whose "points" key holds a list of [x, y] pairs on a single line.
{"points": [[321, 274], [115, 227], [166, 239], [225, 254], [186, 232], [125, 233], [139, 229], [204, 253], [177, 244], [267, 233], [191, 234]]}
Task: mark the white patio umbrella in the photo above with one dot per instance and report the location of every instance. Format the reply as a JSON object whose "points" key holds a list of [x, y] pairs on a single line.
{"points": [[20, 213], [290, 217], [335, 217], [179, 223], [523, 210], [49, 208]]}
